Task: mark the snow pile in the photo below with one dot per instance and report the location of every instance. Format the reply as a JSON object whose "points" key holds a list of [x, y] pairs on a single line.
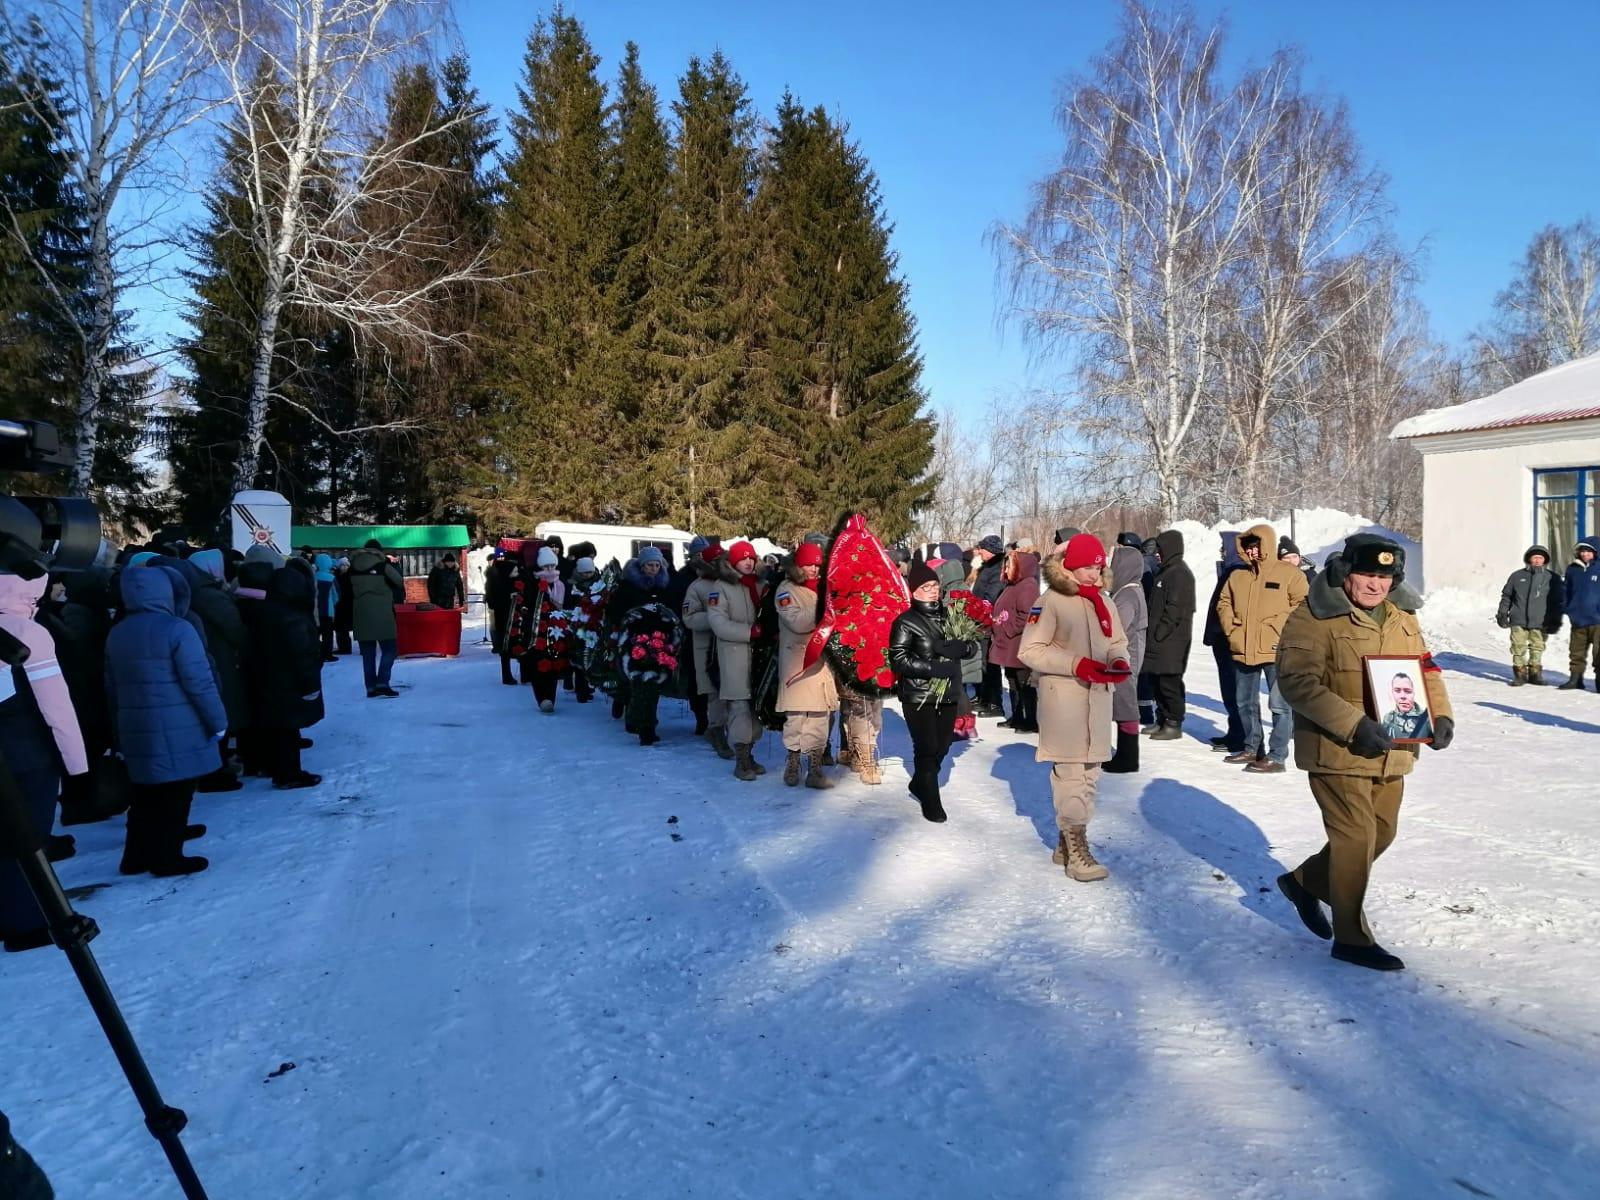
{"points": [[1318, 532]]}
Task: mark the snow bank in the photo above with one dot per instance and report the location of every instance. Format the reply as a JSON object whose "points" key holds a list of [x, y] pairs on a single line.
{"points": [[1318, 532]]}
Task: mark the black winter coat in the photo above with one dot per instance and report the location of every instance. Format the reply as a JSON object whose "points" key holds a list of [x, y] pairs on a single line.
{"points": [[285, 660], [990, 581], [1532, 598], [445, 589], [80, 626], [497, 585], [1172, 601], [918, 646]]}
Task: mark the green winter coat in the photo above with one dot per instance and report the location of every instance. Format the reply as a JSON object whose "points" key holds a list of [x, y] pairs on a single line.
{"points": [[376, 587]]}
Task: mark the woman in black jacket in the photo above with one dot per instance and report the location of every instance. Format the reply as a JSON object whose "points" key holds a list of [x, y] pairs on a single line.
{"points": [[927, 667], [286, 674]]}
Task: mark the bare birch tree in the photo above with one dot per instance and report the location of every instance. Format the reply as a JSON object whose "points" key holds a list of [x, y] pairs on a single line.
{"points": [[1550, 314], [129, 72], [1123, 261], [333, 202]]}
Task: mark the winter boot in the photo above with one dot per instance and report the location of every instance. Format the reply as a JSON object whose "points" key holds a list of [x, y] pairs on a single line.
{"points": [[791, 770], [1080, 861], [1519, 676], [220, 780], [647, 736], [617, 707], [304, 779], [1060, 856], [932, 809], [867, 764], [1306, 905], [827, 758], [1126, 759], [1168, 733], [718, 737], [814, 776], [745, 768], [847, 758], [1536, 676], [60, 847], [547, 707], [136, 850], [1030, 712], [1574, 683], [755, 762], [1374, 957]]}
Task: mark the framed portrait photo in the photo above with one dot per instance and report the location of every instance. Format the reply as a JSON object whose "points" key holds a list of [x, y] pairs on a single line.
{"points": [[1396, 698]]}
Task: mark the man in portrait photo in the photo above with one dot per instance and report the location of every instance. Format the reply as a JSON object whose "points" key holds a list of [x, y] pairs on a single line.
{"points": [[1406, 721]]}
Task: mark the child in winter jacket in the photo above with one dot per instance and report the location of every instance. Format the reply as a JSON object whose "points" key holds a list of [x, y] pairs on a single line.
{"points": [[1530, 607]]}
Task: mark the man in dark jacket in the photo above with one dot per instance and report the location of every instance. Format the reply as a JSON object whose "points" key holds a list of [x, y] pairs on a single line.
{"points": [[377, 586], [1171, 630], [1530, 607], [286, 675], [1581, 595], [445, 589], [497, 593], [1229, 561], [1290, 553], [987, 587]]}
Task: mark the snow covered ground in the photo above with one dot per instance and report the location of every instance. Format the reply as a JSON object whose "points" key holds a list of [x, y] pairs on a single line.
{"points": [[519, 956]]}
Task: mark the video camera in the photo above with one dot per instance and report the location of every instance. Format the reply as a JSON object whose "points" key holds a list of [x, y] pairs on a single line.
{"points": [[40, 533]]}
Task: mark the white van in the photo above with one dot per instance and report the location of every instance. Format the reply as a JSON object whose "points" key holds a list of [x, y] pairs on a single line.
{"points": [[620, 542]]}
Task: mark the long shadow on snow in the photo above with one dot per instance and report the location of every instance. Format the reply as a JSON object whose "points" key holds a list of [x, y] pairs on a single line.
{"points": [[1534, 717], [1444, 1064], [1029, 781]]}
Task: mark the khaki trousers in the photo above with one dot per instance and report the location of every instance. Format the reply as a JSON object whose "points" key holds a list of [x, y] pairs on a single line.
{"points": [[1072, 788], [863, 720], [741, 722], [806, 732], [1360, 816], [716, 710], [1527, 647]]}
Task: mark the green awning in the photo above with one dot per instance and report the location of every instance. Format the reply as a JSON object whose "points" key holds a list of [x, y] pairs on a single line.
{"points": [[392, 537]]}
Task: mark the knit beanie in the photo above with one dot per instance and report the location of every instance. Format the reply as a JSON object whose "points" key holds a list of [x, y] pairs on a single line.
{"points": [[740, 551], [809, 554], [1286, 546], [1084, 550], [697, 545], [263, 554], [651, 554], [919, 574], [711, 553], [585, 566], [548, 558]]}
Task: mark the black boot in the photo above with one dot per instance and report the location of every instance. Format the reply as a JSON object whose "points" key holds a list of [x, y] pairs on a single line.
{"points": [[1030, 711], [1574, 683], [1306, 905], [647, 736], [1126, 759], [925, 787], [58, 847], [1374, 958]]}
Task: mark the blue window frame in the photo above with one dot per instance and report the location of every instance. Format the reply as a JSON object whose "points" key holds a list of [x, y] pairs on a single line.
{"points": [[1566, 509]]}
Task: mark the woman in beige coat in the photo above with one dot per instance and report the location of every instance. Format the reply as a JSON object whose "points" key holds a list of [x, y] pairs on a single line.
{"points": [[732, 608], [697, 619], [1076, 648], [807, 698]]}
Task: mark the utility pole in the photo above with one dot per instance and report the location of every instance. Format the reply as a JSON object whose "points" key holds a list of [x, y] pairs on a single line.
{"points": [[692, 528]]}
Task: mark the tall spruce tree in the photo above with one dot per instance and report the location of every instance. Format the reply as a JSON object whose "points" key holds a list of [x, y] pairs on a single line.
{"points": [[640, 439], [839, 372], [720, 449], [47, 294], [546, 346]]}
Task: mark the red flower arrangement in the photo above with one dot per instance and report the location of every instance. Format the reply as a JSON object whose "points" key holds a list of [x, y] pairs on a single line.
{"points": [[970, 617], [540, 632], [651, 658], [865, 593]]}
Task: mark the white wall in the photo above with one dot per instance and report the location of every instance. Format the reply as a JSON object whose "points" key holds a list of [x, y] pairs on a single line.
{"points": [[1477, 496]]}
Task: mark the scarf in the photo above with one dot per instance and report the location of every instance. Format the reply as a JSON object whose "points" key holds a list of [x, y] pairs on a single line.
{"points": [[1093, 596], [752, 584]]}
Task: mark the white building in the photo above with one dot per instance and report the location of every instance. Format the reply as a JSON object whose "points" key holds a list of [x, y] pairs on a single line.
{"points": [[1509, 470]]}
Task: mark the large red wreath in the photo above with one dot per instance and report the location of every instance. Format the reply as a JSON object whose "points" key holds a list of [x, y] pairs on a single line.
{"points": [[865, 593]]}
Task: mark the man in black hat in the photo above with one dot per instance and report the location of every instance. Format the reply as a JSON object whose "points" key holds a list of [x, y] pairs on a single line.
{"points": [[1356, 609]]}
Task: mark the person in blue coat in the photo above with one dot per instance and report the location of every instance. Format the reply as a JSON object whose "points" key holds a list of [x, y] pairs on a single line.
{"points": [[327, 602], [1581, 596], [167, 718]]}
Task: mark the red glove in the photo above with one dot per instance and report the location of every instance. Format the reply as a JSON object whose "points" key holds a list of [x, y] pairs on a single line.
{"points": [[1091, 671], [1119, 666]]}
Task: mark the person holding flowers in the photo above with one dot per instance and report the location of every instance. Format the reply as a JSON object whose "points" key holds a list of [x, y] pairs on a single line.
{"points": [[807, 696], [927, 663], [1076, 648], [539, 629], [865, 592], [732, 609], [644, 581], [650, 638]]}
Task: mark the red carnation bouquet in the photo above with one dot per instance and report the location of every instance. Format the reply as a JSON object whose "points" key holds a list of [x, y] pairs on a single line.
{"points": [[966, 619], [540, 633], [865, 593]]}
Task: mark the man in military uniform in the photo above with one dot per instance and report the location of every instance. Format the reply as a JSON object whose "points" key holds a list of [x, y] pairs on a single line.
{"points": [[1356, 608], [1405, 721]]}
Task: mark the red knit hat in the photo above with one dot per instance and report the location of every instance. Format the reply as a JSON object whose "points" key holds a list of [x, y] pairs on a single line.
{"points": [[711, 553], [740, 551], [1084, 550], [808, 555]]}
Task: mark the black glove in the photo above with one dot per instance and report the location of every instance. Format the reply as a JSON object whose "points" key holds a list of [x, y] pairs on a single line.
{"points": [[1503, 622], [947, 668], [955, 648], [1444, 732], [1369, 740]]}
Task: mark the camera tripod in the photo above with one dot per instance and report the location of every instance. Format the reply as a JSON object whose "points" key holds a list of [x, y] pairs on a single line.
{"points": [[72, 932]]}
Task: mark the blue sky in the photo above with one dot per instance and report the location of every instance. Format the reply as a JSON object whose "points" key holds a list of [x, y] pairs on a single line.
{"points": [[1485, 115]]}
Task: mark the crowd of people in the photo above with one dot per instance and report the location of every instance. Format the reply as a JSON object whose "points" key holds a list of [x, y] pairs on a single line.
{"points": [[176, 671], [1089, 642]]}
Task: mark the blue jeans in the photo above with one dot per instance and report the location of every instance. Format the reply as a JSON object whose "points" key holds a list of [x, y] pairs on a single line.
{"points": [[377, 670], [1249, 699]]}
